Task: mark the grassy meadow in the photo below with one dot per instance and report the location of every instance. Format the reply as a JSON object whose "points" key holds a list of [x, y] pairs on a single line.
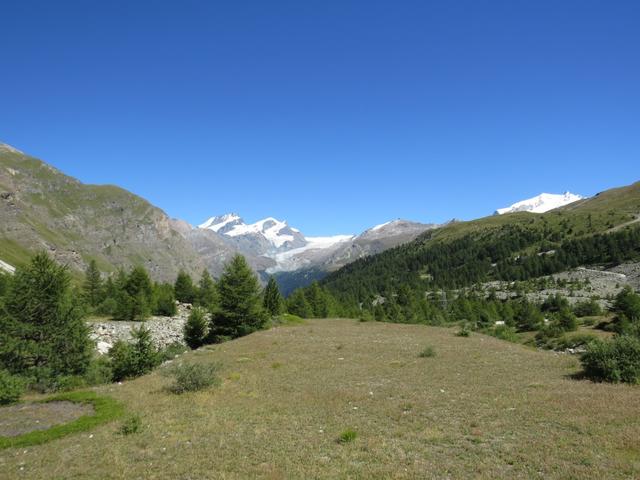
{"points": [[347, 399]]}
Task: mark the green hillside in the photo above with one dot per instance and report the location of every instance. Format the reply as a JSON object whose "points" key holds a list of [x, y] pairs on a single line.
{"points": [[602, 230], [43, 209]]}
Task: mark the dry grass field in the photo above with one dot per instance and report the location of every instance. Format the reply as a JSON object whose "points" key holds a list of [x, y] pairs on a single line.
{"points": [[479, 408]]}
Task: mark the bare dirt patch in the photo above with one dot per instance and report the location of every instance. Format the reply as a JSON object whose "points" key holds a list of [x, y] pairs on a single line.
{"points": [[28, 417]]}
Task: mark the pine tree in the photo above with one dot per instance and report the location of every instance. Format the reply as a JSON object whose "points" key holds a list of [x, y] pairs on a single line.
{"points": [[196, 328], [272, 299], [135, 295], [207, 293], [184, 289], [240, 308], [41, 325], [297, 304], [92, 286]]}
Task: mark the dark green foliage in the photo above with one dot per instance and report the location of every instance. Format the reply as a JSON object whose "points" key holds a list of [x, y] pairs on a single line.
{"points": [[207, 295], [184, 290], [504, 332], [133, 360], [554, 303], [165, 302], [527, 316], [11, 388], [240, 309], [41, 324], [192, 377], [297, 304], [567, 320], [134, 295], [628, 304], [272, 299], [172, 351], [92, 286], [616, 360], [196, 328], [587, 308], [99, 372]]}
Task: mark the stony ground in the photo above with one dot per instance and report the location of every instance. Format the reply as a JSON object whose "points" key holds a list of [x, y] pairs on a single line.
{"points": [[480, 408], [28, 417], [164, 330]]}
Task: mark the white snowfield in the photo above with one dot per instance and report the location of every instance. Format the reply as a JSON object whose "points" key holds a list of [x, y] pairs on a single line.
{"points": [[216, 223], [292, 260], [542, 203], [269, 227]]}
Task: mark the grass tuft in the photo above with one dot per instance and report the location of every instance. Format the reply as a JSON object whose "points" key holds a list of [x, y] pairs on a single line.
{"points": [[347, 436]]}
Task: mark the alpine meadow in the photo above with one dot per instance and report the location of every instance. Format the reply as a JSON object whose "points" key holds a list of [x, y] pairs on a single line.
{"points": [[455, 292]]}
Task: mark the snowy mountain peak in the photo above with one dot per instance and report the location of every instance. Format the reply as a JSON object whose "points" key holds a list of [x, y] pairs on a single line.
{"points": [[542, 203], [222, 222], [266, 235]]}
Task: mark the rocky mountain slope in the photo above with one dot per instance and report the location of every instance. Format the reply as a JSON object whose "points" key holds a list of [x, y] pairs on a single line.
{"points": [[43, 209]]}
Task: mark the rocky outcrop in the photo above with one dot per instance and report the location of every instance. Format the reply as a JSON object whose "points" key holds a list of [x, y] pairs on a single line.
{"points": [[164, 330]]}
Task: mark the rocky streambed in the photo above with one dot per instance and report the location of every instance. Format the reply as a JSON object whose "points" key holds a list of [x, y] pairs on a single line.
{"points": [[164, 330]]}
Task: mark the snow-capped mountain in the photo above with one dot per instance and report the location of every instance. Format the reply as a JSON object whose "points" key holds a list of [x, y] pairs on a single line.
{"points": [[272, 246], [542, 203], [264, 237]]}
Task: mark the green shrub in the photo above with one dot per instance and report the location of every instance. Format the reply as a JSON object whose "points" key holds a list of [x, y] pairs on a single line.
{"points": [[191, 377], [132, 424], [567, 320], [464, 331], [171, 351], [347, 436], [427, 352], [616, 360], [587, 308], [196, 329], [99, 371], [11, 388], [133, 360], [575, 340], [504, 332]]}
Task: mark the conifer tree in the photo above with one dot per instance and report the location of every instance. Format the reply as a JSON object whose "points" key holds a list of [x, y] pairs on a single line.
{"points": [[41, 324], [135, 295], [297, 304], [92, 286], [196, 328], [184, 289], [240, 309], [272, 298], [207, 294]]}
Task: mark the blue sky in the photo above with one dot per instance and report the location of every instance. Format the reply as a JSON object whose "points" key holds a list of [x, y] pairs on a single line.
{"points": [[333, 115]]}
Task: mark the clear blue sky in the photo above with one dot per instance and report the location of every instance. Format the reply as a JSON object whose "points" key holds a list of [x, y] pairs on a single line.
{"points": [[333, 115]]}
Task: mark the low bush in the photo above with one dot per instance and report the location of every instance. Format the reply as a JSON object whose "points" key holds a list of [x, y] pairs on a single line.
{"points": [[575, 340], [616, 360], [464, 331], [427, 352], [191, 377], [132, 424], [11, 388], [504, 332]]}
